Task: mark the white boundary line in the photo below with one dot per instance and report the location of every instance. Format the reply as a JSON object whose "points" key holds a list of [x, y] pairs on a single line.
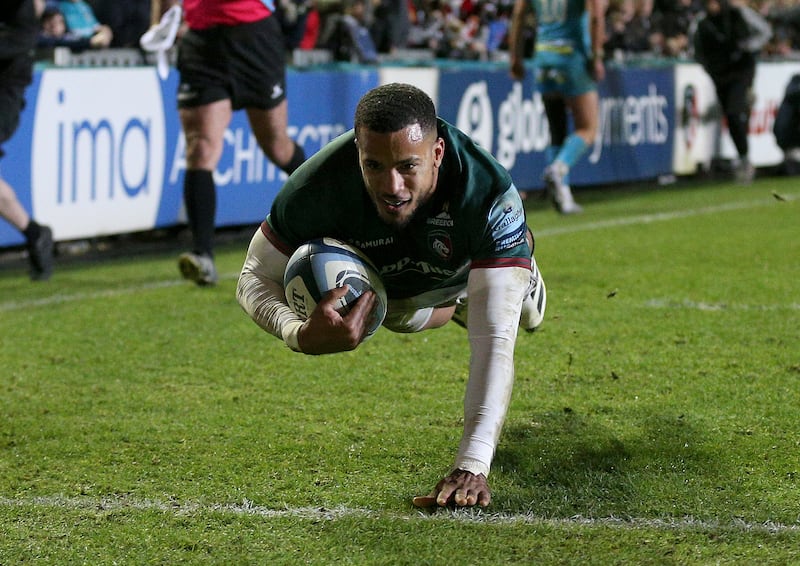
{"points": [[179, 508], [659, 216], [555, 231], [716, 307], [61, 298]]}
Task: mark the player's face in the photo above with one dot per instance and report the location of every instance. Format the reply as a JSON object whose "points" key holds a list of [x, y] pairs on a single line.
{"points": [[400, 170]]}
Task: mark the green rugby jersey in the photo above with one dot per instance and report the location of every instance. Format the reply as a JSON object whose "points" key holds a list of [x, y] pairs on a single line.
{"points": [[475, 218]]}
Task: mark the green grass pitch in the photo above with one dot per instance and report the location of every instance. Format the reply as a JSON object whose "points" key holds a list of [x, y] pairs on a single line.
{"points": [[654, 417]]}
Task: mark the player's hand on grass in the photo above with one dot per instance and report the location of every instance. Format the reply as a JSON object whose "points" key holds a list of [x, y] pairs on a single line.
{"points": [[460, 489], [327, 332]]}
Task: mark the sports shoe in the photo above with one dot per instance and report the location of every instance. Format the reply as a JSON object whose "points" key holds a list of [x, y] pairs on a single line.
{"points": [[744, 173], [535, 302], [198, 268], [558, 190], [40, 255]]}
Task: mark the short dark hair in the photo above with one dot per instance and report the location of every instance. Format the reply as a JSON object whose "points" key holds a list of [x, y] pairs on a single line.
{"points": [[392, 107]]}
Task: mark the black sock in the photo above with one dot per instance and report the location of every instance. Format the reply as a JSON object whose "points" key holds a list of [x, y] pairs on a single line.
{"points": [[200, 197], [298, 157], [737, 127], [32, 231]]}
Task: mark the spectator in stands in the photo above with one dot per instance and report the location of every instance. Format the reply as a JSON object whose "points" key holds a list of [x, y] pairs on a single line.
{"points": [[82, 22], [54, 33], [727, 42], [19, 25], [390, 25], [311, 28], [232, 57], [293, 15], [497, 19], [672, 21], [629, 28], [128, 19], [785, 20], [347, 36], [463, 39], [427, 23], [569, 65]]}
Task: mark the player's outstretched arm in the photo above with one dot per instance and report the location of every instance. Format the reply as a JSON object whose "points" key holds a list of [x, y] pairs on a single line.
{"points": [[460, 489]]}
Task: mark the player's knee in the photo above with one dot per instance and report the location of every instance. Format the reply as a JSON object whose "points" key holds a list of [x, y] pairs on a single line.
{"points": [[202, 152]]}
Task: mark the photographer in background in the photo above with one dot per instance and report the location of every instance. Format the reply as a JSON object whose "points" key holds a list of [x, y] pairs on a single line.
{"points": [[726, 43]]}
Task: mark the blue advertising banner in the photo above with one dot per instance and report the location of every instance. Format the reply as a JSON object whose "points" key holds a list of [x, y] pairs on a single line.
{"points": [[634, 138], [100, 150], [505, 117], [637, 125]]}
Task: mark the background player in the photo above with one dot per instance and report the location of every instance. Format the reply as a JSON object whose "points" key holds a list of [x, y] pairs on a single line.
{"points": [[231, 57], [569, 63]]}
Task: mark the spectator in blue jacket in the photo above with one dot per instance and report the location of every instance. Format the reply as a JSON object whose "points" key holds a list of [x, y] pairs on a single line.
{"points": [[54, 33], [81, 19]]}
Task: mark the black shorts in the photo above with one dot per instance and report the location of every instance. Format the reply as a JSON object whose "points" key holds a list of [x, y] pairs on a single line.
{"points": [[14, 79], [244, 63]]}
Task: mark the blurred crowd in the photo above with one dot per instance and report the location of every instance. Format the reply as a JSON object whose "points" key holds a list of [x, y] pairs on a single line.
{"points": [[478, 29], [93, 24], [360, 30], [665, 27]]}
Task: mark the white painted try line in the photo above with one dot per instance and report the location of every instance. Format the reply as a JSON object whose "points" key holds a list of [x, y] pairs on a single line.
{"points": [[660, 216], [716, 307], [556, 231], [62, 298], [183, 508]]}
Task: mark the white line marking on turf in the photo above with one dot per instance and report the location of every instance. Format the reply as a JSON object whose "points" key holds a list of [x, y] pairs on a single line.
{"points": [[657, 217], [716, 307], [102, 294], [180, 508], [61, 298], [556, 231]]}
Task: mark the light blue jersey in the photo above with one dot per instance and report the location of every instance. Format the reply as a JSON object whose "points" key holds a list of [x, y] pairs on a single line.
{"points": [[563, 47], [561, 23]]}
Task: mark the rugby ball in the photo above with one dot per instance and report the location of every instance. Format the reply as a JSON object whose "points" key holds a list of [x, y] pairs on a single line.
{"points": [[320, 265]]}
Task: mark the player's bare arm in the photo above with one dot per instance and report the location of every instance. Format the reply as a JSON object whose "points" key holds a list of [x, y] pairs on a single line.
{"points": [[597, 32], [516, 38]]}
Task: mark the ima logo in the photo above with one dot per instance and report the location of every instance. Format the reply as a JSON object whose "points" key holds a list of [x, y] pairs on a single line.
{"points": [[441, 244], [98, 154]]}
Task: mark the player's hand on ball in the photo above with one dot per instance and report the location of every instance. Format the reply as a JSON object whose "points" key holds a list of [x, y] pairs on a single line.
{"points": [[326, 331], [461, 489]]}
